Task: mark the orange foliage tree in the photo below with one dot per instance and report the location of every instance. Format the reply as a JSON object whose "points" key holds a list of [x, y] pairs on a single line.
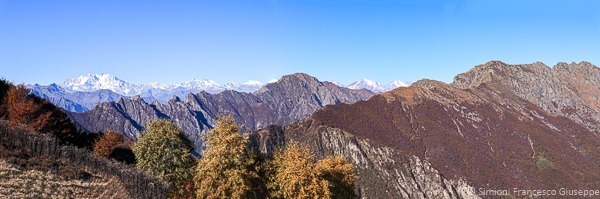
{"points": [[41, 116], [107, 143], [20, 108]]}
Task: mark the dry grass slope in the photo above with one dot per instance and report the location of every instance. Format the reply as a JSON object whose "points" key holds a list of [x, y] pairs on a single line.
{"points": [[50, 164], [17, 183]]}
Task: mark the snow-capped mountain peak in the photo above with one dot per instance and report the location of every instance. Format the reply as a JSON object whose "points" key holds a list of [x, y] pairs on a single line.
{"points": [[159, 86], [338, 84], [94, 82], [205, 83], [249, 86], [376, 86], [395, 84], [253, 83], [367, 84]]}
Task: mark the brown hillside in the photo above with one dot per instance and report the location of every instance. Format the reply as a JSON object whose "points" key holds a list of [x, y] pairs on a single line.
{"points": [[497, 126]]}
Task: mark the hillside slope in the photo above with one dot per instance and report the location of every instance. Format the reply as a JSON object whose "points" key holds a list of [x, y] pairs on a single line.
{"points": [[33, 165], [494, 128]]}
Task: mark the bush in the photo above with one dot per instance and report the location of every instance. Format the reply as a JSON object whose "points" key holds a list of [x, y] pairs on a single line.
{"points": [[543, 163]]}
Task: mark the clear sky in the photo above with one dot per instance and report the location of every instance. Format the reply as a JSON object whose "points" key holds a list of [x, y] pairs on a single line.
{"points": [[343, 40]]}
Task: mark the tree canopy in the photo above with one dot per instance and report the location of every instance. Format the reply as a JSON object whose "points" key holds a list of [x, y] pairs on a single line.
{"points": [[163, 150]]}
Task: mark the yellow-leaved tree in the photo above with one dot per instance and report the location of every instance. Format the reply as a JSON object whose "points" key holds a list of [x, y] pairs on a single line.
{"points": [[226, 168], [340, 175], [293, 174], [163, 150]]}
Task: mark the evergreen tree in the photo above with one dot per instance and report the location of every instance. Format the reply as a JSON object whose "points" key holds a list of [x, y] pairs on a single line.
{"points": [[226, 169], [163, 150]]}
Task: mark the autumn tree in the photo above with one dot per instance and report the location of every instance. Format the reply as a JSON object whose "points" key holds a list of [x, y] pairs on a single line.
{"points": [[293, 174], [107, 143], [19, 107], [340, 175], [163, 150], [226, 168], [37, 114]]}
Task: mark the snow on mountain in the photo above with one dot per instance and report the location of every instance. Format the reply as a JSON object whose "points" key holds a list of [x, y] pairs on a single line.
{"points": [[159, 86], [338, 84], [249, 86], [94, 82], [376, 86], [201, 84], [367, 84], [395, 84]]}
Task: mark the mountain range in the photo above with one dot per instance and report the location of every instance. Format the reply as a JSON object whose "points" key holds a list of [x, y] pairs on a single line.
{"points": [[84, 92], [495, 127], [289, 99], [376, 86]]}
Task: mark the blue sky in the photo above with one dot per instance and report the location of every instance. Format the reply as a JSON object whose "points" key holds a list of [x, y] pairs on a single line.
{"points": [[173, 41]]}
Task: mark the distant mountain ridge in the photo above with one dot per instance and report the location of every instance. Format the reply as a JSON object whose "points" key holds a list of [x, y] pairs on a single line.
{"points": [[289, 99], [95, 82], [376, 86], [75, 101], [84, 92]]}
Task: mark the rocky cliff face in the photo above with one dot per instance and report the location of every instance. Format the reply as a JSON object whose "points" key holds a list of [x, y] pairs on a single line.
{"points": [[570, 90], [382, 174], [497, 126], [291, 98]]}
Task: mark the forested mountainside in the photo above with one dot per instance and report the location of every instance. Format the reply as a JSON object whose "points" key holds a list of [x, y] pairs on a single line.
{"points": [[497, 126], [291, 98]]}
